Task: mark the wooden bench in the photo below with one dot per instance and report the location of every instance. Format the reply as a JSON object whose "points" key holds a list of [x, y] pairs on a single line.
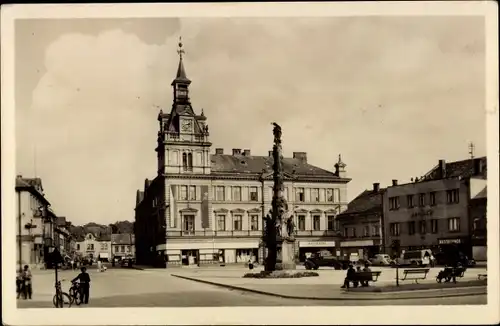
{"points": [[367, 276], [415, 274], [482, 276]]}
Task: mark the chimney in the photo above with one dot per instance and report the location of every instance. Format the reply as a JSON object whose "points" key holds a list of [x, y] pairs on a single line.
{"points": [[270, 153], [246, 152], [376, 187], [219, 151], [478, 166], [236, 151], [442, 169], [302, 156], [394, 182]]}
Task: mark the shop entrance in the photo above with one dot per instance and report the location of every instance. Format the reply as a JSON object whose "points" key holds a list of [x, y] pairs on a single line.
{"points": [[190, 257]]}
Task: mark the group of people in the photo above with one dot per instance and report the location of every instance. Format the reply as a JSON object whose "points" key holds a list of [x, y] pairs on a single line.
{"points": [[23, 283], [351, 276]]}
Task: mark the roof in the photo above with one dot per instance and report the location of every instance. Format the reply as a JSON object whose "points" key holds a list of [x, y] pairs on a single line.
{"points": [[104, 237], [463, 168], [181, 74], [33, 185], [366, 202], [240, 164], [123, 238]]}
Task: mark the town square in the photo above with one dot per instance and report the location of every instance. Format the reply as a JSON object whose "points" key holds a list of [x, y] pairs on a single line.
{"points": [[182, 162]]}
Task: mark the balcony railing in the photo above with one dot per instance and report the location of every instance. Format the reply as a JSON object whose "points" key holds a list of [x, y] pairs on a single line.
{"points": [[209, 233]]}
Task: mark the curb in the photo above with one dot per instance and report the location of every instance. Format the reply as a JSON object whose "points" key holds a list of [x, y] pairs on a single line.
{"points": [[284, 296]]}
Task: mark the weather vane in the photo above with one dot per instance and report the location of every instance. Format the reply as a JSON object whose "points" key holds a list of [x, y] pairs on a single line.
{"points": [[181, 50]]}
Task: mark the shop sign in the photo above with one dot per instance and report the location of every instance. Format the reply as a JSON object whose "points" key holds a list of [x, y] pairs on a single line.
{"points": [[304, 244], [449, 241]]}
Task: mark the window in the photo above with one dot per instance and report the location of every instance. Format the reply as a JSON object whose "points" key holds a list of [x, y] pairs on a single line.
{"points": [[299, 194], [366, 231], [432, 198], [254, 222], [104, 246], [452, 196], [192, 192], [393, 203], [90, 246], [190, 161], [188, 225], [219, 193], [454, 224], [302, 222], [184, 161], [336, 195], [184, 192], [350, 232], [422, 226], [236, 193], [285, 193], [394, 229], [174, 158], [315, 195], [329, 195], [316, 222], [77, 246], [253, 194], [346, 232], [434, 226], [411, 228], [221, 222], [331, 223], [421, 199], [409, 199], [123, 248], [238, 222], [376, 230], [353, 232]]}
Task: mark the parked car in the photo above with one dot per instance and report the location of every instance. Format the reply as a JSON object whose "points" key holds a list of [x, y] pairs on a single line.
{"points": [[127, 261], [325, 258], [381, 260], [416, 258]]}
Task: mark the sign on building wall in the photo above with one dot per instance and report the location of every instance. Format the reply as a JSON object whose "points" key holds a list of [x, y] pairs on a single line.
{"points": [[204, 208], [449, 241], [305, 244]]}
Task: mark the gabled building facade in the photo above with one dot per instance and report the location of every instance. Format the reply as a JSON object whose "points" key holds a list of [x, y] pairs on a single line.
{"points": [[95, 247], [433, 212], [362, 225], [122, 245], [206, 206]]}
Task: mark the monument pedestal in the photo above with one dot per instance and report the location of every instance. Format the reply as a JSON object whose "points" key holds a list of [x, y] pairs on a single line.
{"points": [[286, 255]]}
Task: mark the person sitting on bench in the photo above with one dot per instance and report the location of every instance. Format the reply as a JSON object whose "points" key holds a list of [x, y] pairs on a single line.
{"points": [[350, 277], [366, 269]]}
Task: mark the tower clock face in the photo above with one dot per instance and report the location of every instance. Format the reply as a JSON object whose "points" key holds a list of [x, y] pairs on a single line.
{"points": [[186, 125]]}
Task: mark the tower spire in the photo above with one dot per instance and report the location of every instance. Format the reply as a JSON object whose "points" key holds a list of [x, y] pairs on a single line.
{"points": [[181, 72]]}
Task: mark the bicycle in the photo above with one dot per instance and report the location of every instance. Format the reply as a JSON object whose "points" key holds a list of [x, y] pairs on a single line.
{"points": [[61, 298], [75, 293]]}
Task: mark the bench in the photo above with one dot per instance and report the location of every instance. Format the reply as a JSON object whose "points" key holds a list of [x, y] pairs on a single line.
{"points": [[415, 274], [367, 276], [482, 276]]}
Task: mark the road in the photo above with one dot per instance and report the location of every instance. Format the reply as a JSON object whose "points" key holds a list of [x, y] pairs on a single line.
{"points": [[157, 288]]}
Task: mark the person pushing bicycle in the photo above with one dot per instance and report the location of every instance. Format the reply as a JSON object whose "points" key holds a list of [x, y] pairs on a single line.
{"points": [[84, 279]]}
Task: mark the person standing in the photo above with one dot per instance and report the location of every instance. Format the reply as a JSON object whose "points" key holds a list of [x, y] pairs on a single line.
{"points": [[84, 279], [28, 290], [19, 283]]}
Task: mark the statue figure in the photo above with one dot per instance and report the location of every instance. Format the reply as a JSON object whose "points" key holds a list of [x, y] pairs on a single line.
{"points": [[277, 133], [290, 226]]}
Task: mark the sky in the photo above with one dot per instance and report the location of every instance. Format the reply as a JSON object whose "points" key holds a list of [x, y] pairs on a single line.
{"points": [[393, 95]]}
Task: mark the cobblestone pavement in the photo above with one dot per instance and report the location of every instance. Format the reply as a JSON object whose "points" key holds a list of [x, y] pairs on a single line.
{"points": [[157, 288]]}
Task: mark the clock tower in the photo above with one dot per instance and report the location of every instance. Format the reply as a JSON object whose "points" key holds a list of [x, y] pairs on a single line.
{"points": [[183, 138]]}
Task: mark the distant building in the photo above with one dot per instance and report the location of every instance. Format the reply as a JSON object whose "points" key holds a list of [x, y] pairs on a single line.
{"points": [[35, 223], [122, 245], [63, 237], [206, 207], [95, 247], [361, 225], [433, 212]]}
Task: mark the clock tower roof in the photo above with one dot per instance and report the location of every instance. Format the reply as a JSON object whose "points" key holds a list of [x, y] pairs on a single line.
{"points": [[181, 77]]}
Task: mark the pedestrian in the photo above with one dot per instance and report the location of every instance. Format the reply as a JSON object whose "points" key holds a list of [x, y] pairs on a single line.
{"points": [[366, 269], [84, 279], [19, 283], [351, 275], [28, 290]]}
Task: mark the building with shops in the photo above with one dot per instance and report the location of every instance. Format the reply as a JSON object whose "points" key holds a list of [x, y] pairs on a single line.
{"points": [[95, 247], [207, 206], [35, 223], [361, 225], [63, 238], [433, 212], [122, 245]]}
